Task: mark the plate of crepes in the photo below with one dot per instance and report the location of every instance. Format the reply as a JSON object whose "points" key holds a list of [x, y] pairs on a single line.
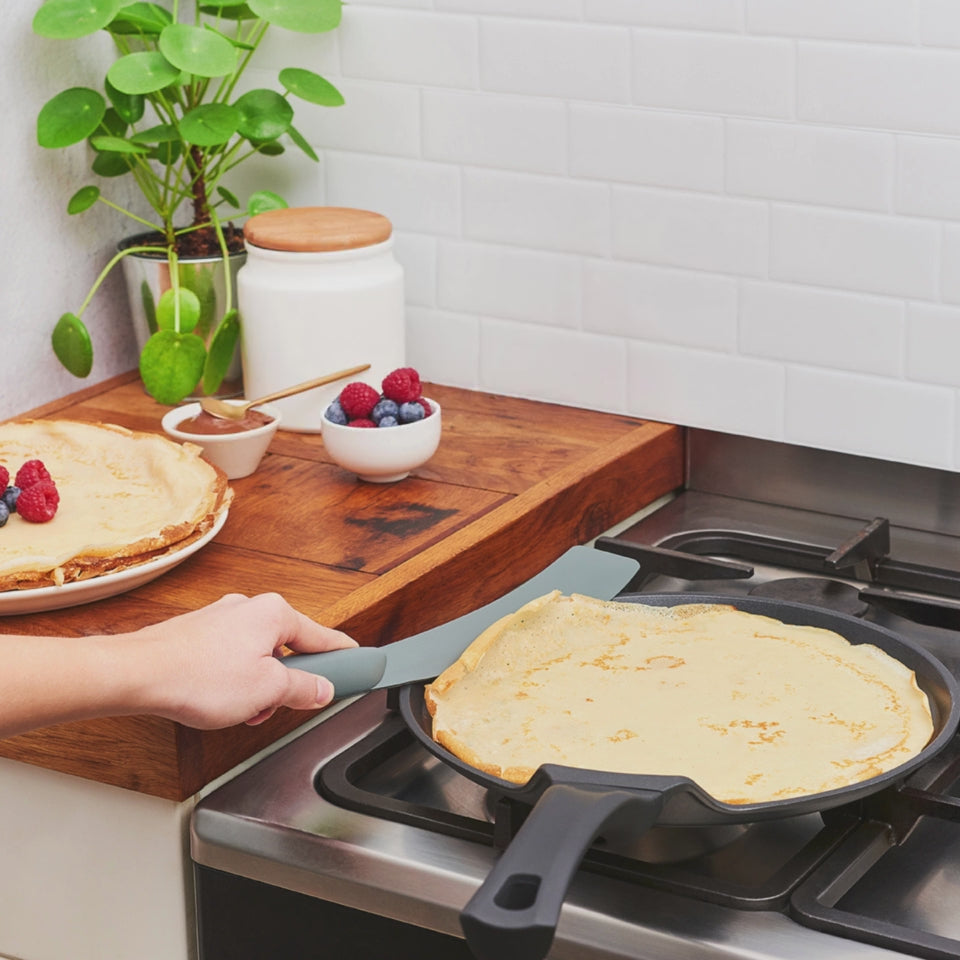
{"points": [[131, 506]]}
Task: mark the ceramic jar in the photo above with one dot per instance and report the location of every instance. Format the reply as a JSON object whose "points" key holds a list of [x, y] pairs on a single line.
{"points": [[320, 291]]}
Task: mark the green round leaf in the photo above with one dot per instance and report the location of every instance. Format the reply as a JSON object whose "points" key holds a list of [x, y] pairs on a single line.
{"points": [[264, 115], [231, 198], [270, 148], [144, 72], [171, 365], [199, 279], [210, 124], [310, 86], [71, 116], [129, 107], [301, 141], [265, 200], [117, 145], [111, 164], [72, 345], [83, 199], [69, 19], [303, 16], [141, 18], [204, 53], [161, 133], [167, 310], [166, 153], [221, 351], [113, 124]]}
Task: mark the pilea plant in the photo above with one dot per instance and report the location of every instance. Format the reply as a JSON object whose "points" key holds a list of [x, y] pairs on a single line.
{"points": [[171, 116]]}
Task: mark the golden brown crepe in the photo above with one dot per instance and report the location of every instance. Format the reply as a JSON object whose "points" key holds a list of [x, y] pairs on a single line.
{"points": [[125, 497], [751, 709]]}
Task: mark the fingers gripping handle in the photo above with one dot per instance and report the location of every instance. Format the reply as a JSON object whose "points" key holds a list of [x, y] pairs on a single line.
{"points": [[514, 914], [351, 671]]}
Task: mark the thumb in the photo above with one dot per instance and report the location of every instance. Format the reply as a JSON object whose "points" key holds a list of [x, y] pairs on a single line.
{"points": [[306, 691]]}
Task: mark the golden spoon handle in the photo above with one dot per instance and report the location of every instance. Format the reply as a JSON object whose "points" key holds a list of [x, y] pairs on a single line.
{"points": [[309, 384]]}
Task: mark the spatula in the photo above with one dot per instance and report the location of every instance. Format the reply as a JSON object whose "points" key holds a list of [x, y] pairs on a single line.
{"points": [[423, 656]]}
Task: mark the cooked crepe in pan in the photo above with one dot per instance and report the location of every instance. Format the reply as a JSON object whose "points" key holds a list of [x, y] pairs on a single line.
{"points": [[125, 497], [751, 709]]}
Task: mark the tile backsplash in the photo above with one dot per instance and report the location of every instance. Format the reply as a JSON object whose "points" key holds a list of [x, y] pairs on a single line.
{"points": [[735, 214]]}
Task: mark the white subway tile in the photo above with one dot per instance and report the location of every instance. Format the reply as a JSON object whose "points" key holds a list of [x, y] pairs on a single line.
{"points": [[927, 178], [686, 230], [821, 328], [417, 254], [417, 196], [640, 302], [509, 283], [280, 48], [408, 47], [884, 21], [512, 133], [711, 390], [576, 61], [376, 118], [646, 146], [884, 87], [411, 4], [444, 347], [750, 76], [549, 9], [933, 344], [546, 212], [689, 14], [562, 366], [950, 265], [939, 23], [872, 416], [821, 165], [853, 251]]}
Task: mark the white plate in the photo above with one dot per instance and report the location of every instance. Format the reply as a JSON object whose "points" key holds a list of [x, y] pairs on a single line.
{"points": [[76, 592]]}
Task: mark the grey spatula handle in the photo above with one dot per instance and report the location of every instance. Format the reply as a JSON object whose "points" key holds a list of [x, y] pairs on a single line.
{"points": [[351, 671]]}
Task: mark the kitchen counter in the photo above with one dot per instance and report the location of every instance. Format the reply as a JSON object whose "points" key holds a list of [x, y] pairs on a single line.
{"points": [[513, 484]]}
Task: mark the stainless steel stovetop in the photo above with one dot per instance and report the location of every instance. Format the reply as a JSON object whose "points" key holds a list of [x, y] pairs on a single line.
{"points": [[354, 812]]}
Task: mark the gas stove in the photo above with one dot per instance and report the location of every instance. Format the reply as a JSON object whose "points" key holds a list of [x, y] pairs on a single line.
{"points": [[354, 837]]}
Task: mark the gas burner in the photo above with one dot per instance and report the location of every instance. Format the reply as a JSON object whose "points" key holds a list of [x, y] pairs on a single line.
{"points": [[816, 591]]}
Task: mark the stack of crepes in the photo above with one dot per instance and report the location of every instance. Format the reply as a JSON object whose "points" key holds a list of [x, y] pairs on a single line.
{"points": [[125, 498], [752, 709]]}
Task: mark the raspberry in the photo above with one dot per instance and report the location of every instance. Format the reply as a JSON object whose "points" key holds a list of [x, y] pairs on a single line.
{"points": [[4, 477], [33, 471], [361, 422], [38, 502], [358, 400], [402, 385]]}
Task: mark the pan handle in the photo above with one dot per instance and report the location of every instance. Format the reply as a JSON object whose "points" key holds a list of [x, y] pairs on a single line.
{"points": [[514, 914]]}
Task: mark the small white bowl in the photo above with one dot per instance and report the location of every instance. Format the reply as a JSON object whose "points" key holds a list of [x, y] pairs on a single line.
{"points": [[236, 454], [383, 454]]}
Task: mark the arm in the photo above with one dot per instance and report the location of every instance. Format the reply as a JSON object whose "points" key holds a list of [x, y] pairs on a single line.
{"points": [[212, 667]]}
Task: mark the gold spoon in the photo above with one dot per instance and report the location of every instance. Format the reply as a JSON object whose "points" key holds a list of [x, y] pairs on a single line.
{"points": [[236, 411]]}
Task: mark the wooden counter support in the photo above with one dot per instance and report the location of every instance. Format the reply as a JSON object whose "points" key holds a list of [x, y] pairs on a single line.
{"points": [[513, 484]]}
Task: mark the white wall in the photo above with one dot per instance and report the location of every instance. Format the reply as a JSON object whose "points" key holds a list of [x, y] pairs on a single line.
{"points": [[737, 214]]}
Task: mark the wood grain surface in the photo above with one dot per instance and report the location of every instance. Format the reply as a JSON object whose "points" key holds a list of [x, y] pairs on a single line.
{"points": [[513, 484]]}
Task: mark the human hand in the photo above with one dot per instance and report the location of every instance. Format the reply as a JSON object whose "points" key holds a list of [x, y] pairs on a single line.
{"points": [[219, 665]]}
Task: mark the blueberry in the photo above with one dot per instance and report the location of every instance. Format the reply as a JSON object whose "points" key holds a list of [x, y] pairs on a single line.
{"points": [[384, 408], [409, 412], [387, 422], [9, 498], [334, 413], [4, 513]]}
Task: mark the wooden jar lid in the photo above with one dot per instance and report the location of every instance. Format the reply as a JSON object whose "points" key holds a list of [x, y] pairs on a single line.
{"points": [[316, 229]]}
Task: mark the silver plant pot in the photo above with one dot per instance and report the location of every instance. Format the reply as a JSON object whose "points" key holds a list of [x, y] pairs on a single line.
{"points": [[147, 276]]}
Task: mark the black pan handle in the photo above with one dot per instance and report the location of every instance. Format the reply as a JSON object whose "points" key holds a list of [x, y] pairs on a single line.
{"points": [[514, 914]]}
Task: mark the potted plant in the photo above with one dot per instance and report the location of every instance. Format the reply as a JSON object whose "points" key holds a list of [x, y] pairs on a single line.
{"points": [[171, 117]]}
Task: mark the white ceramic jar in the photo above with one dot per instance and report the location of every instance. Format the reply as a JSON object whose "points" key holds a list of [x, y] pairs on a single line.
{"points": [[320, 291]]}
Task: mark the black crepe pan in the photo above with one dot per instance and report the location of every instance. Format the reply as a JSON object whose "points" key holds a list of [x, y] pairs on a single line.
{"points": [[514, 913]]}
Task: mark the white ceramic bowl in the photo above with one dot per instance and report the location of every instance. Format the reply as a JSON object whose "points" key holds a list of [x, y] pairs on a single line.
{"points": [[383, 454], [236, 454]]}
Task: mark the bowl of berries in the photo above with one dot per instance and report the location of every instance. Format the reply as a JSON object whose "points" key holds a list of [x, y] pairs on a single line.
{"points": [[381, 435]]}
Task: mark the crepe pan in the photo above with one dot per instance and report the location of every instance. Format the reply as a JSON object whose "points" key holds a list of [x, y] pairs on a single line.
{"points": [[514, 913]]}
